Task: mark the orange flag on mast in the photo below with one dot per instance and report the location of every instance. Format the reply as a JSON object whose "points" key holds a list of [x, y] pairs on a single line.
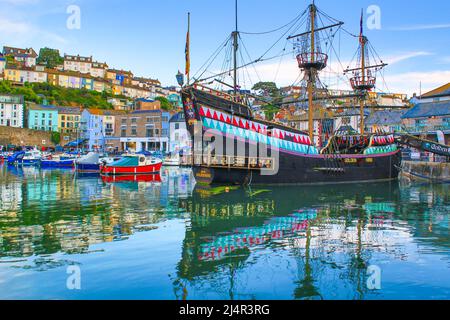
{"points": [[187, 51]]}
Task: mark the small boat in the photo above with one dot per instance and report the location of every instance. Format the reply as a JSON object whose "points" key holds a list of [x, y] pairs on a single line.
{"points": [[172, 161], [131, 165], [28, 158], [58, 161], [89, 163]]}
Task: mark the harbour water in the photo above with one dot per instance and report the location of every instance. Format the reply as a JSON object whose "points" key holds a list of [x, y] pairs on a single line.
{"points": [[169, 239]]}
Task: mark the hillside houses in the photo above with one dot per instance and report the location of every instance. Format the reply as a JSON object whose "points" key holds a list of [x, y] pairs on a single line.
{"points": [[77, 72]]}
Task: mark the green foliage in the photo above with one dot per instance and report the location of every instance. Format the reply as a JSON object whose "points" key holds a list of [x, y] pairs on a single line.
{"points": [[268, 88], [270, 111], [50, 57], [10, 59], [56, 137], [165, 103], [37, 92]]}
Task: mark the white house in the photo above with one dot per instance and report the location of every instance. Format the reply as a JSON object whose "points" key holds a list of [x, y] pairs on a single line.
{"points": [[180, 139], [98, 69], [11, 110], [78, 64]]}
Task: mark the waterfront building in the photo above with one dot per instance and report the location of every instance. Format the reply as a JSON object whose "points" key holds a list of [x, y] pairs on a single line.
{"points": [[26, 57], [428, 117], [11, 110], [142, 130], [42, 117], [385, 121], [180, 139], [69, 122], [78, 64], [92, 128], [439, 94]]}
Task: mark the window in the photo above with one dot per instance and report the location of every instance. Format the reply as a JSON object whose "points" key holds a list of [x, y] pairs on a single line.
{"points": [[123, 132], [149, 132], [177, 126], [63, 117], [133, 131], [124, 120], [133, 120], [63, 124]]}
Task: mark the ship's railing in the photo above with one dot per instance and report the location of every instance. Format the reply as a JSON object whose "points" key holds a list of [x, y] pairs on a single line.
{"points": [[363, 83], [214, 92], [231, 162], [316, 60]]}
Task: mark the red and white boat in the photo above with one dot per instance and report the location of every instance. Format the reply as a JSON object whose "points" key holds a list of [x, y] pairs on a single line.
{"points": [[131, 165]]}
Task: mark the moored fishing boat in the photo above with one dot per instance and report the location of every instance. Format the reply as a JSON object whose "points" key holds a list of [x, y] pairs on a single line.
{"points": [[89, 163], [172, 161], [25, 158], [58, 161], [132, 165]]}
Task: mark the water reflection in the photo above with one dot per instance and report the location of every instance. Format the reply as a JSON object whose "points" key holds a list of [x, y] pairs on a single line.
{"points": [[166, 240], [329, 235]]}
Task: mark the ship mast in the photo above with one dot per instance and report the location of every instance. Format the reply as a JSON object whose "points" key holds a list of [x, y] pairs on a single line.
{"points": [[311, 80], [235, 35], [363, 74], [311, 60], [363, 79]]}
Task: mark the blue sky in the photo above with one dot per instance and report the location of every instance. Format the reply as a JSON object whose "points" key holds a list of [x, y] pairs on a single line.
{"points": [[148, 37]]}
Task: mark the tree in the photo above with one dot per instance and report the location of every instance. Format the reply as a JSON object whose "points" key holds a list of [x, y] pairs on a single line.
{"points": [[50, 57], [165, 103], [56, 137], [268, 89]]}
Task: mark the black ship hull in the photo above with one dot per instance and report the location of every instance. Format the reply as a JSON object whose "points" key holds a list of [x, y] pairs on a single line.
{"points": [[303, 170]]}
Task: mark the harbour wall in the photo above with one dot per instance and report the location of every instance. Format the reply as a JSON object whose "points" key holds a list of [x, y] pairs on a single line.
{"points": [[25, 137], [427, 170]]}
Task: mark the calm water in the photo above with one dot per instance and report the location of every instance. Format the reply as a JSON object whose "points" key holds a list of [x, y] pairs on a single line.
{"points": [[168, 239]]}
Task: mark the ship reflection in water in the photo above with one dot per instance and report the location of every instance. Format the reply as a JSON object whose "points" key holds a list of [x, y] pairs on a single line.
{"points": [[159, 237]]}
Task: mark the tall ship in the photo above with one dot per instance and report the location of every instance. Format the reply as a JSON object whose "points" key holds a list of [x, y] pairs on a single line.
{"points": [[231, 145]]}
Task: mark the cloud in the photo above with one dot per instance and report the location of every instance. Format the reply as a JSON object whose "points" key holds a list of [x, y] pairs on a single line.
{"points": [[421, 27], [22, 33], [409, 82], [406, 56]]}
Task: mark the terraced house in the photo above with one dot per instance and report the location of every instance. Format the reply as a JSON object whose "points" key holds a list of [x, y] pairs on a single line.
{"points": [[42, 117], [78, 64], [26, 57], [69, 122], [11, 110]]}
